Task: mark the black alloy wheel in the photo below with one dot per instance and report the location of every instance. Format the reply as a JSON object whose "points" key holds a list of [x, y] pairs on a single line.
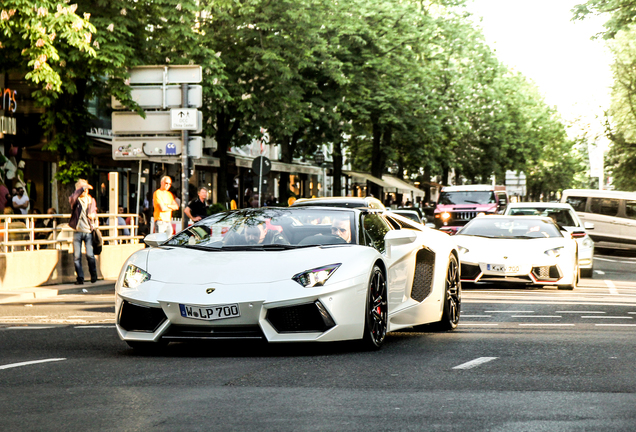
{"points": [[452, 297], [376, 311]]}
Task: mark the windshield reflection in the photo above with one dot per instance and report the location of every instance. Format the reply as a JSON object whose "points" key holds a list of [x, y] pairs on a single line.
{"points": [[270, 229]]}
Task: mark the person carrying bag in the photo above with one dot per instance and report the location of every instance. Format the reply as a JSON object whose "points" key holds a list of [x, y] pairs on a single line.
{"points": [[83, 216]]}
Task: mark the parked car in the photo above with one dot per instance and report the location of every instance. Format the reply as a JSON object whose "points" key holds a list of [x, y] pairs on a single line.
{"points": [[565, 217], [304, 274], [409, 214], [525, 250], [613, 214], [457, 205]]}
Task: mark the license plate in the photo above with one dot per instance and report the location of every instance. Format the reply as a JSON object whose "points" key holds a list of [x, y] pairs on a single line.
{"points": [[210, 313], [500, 268]]}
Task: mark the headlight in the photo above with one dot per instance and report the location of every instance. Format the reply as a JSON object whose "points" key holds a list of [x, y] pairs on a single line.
{"points": [[587, 242], [446, 216], [554, 253], [134, 276], [462, 250], [316, 277]]}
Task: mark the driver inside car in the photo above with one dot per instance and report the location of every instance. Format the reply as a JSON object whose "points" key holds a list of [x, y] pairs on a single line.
{"points": [[341, 227]]}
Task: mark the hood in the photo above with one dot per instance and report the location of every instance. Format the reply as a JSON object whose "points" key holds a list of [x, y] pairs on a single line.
{"points": [[180, 265], [494, 250]]}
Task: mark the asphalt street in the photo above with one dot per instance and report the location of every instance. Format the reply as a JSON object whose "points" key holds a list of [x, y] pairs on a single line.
{"points": [[521, 360]]}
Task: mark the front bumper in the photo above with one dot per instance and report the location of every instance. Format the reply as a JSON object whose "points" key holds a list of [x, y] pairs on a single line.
{"points": [[528, 274], [278, 312]]}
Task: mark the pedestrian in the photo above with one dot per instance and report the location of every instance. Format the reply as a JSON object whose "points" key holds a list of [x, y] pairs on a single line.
{"points": [[164, 204], [197, 208], [21, 201], [83, 216], [4, 196]]}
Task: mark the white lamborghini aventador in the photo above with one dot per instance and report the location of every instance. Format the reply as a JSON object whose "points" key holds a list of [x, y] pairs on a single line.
{"points": [[289, 275]]}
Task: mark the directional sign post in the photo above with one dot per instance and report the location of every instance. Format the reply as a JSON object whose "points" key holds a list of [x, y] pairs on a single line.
{"points": [[261, 166], [155, 136]]}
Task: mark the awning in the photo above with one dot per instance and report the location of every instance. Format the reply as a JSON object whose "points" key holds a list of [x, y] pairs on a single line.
{"points": [[360, 177], [246, 162], [401, 186]]}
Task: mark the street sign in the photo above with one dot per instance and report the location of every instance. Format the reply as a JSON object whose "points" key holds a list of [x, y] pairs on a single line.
{"points": [[153, 97], [185, 74], [155, 123], [184, 119], [261, 165], [144, 148]]}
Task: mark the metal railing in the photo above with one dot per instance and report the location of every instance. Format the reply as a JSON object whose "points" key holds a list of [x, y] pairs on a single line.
{"points": [[35, 232]]}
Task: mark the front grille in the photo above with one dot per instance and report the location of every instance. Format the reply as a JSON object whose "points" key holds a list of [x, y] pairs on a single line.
{"points": [[470, 271], [423, 277], [464, 216], [546, 273], [503, 278], [312, 317], [186, 332], [134, 317]]}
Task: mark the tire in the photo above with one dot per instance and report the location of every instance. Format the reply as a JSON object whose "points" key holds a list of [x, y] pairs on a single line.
{"points": [[376, 311], [147, 347], [587, 273], [452, 297], [577, 277]]}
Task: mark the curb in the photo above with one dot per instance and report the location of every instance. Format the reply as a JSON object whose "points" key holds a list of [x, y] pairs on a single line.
{"points": [[35, 293]]}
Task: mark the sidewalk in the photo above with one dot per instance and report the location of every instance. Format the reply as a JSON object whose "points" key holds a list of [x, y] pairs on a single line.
{"points": [[26, 294]]}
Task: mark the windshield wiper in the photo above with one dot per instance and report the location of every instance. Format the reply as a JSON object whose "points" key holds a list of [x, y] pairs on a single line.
{"points": [[203, 248], [269, 247]]}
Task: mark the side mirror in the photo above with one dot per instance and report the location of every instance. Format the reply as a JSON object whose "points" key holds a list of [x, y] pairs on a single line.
{"points": [[588, 225], [398, 237], [156, 239]]}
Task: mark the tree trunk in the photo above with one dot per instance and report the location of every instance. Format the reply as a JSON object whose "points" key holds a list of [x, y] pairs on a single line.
{"points": [[337, 169], [223, 138], [427, 184], [377, 160]]}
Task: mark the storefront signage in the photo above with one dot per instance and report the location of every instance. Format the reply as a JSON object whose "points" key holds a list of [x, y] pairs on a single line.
{"points": [[9, 102], [8, 125]]}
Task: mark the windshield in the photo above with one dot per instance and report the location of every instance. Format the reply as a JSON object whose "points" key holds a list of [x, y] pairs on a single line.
{"points": [[511, 228], [467, 197], [561, 216], [269, 229]]}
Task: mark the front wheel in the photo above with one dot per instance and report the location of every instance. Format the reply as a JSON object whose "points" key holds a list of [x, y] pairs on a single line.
{"points": [[376, 311], [452, 297]]}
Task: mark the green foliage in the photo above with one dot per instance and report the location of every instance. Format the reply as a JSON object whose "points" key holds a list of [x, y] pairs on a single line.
{"points": [[621, 13]]}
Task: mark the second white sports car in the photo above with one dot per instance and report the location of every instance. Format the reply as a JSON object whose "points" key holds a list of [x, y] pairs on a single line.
{"points": [[525, 250], [289, 275]]}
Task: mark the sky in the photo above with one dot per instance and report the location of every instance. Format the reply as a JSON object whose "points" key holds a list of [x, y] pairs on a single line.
{"points": [[538, 39]]}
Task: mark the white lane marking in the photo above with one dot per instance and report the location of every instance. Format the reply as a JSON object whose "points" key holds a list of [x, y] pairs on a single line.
{"points": [[30, 328], [632, 313], [13, 365], [599, 271], [471, 364], [612, 287], [476, 316], [30, 316], [607, 317], [94, 326], [583, 312], [82, 316], [512, 311], [536, 316], [626, 260], [547, 325], [615, 325]]}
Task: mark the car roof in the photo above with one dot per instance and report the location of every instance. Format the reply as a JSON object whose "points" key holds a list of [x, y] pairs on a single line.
{"points": [[540, 205], [344, 202], [599, 193], [472, 188]]}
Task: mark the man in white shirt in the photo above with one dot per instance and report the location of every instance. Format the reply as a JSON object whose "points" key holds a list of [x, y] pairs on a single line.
{"points": [[21, 201]]}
